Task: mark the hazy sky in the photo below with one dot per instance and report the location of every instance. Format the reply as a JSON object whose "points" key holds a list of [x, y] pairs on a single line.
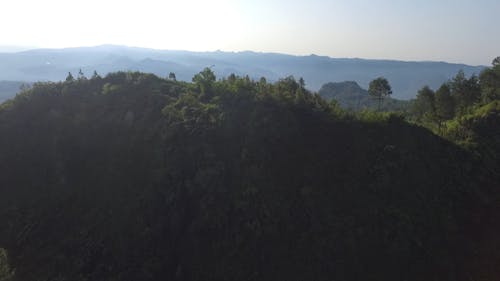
{"points": [[448, 30]]}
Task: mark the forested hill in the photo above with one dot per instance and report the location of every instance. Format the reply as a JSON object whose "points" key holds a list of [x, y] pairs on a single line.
{"points": [[351, 96], [135, 177], [54, 64]]}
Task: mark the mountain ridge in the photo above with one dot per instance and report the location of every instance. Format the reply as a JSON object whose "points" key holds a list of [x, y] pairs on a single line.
{"points": [[406, 77], [124, 47]]}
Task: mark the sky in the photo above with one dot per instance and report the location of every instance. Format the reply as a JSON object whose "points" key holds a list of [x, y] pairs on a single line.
{"points": [[438, 30]]}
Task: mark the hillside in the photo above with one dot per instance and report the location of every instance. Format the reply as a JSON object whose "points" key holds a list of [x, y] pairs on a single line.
{"points": [[135, 177], [54, 64], [351, 96]]}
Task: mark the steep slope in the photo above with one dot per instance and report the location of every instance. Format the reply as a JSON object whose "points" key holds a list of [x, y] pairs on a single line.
{"points": [[132, 177]]}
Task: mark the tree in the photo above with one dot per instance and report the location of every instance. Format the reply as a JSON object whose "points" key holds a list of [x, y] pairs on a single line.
{"points": [[286, 87], [204, 81], [172, 77], [424, 103], [95, 76], [466, 92], [496, 61], [379, 89], [444, 103], [81, 76], [300, 97], [489, 80], [232, 78], [70, 77], [302, 83]]}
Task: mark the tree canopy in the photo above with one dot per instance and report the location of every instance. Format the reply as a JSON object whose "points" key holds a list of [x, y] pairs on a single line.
{"points": [[379, 88], [135, 177]]}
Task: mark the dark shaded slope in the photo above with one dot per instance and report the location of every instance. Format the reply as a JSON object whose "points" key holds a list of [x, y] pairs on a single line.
{"points": [[125, 178]]}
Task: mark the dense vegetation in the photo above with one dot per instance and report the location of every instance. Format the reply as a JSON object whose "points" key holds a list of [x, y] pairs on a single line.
{"points": [[459, 100], [135, 177]]}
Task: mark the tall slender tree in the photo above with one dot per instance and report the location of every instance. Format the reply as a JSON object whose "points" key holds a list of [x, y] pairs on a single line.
{"points": [[425, 104], [444, 103], [466, 92], [380, 89]]}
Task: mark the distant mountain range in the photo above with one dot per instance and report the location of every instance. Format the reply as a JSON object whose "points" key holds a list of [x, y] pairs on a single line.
{"points": [[54, 64]]}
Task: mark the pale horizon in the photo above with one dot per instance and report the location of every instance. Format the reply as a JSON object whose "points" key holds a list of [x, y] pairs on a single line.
{"points": [[19, 49], [449, 31]]}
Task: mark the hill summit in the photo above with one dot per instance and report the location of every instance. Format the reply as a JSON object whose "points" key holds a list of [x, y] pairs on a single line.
{"points": [[350, 95], [136, 177]]}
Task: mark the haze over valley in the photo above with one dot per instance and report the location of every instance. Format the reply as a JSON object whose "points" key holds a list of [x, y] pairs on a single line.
{"points": [[54, 65]]}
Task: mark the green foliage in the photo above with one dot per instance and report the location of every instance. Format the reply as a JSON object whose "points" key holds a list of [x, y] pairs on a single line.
{"points": [[205, 81], [191, 113], [451, 107], [477, 127], [371, 116], [466, 92], [135, 177], [444, 103], [379, 89], [424, 105], [490, 83]]}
